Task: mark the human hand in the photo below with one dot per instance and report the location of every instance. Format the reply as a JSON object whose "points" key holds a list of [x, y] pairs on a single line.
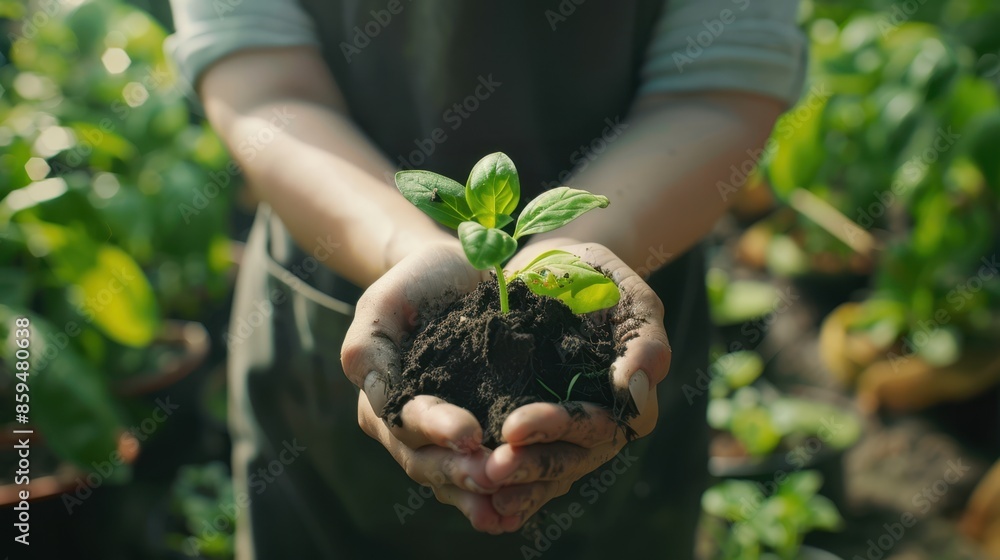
{"points": [[438, 444], [547, 447]]}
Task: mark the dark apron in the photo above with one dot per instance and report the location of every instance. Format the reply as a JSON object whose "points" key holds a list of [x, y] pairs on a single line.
{"points": [[315, 485]]}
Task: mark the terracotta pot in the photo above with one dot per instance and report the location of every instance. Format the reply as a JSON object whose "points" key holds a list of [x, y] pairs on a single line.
{"points": [[844, 353], [909, 384], [981, 521], [193, 340], [65, 476]]}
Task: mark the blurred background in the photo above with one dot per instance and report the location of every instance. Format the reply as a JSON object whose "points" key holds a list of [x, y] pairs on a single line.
{"points": [[854, 400]]}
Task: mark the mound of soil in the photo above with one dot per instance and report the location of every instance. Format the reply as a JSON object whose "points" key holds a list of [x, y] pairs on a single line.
{"points": [[490, 363]]}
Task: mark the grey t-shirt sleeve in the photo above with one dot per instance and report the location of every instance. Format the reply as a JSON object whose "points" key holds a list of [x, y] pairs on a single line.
{"points": [[727, 45], [206, 31]]}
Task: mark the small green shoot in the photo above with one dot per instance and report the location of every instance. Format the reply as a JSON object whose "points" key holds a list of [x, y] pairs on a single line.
{"points": [[485, 204], [569, 390]]}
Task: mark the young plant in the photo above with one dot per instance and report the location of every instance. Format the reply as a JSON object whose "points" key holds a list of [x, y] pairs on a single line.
{"points": [[746, 524], [484, 205]]}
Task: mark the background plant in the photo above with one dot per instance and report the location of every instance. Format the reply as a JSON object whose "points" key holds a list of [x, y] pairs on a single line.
{"points": [[762, 419], [113, 210], [747, 525]]}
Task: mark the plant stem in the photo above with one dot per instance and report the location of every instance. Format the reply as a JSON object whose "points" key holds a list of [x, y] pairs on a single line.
{"points": [[504, 305]]}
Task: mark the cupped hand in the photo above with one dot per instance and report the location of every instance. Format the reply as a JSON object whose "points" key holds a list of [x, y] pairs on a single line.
{"points": [[547, 447], [438, 444]]}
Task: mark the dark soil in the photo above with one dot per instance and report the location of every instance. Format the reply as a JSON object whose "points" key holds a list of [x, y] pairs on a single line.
{"points": [[490, 363]]}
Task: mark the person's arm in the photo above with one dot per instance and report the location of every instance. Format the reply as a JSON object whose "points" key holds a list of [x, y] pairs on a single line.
{"points": [[323, 178], [285, 121], [662, 174]]}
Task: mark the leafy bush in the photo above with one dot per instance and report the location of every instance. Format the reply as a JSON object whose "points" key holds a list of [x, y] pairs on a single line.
{"points": [[113, 208]]}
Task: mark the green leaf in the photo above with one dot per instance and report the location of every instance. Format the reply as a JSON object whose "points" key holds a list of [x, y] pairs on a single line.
{"points": [[804, 484], [754, 429], [739, 369], [728, 500], [564, 276], [797, 153], [71, 404], [824, 514], [556, 208], [104, 283], [493, 189], [436, 195], [485, 247]]}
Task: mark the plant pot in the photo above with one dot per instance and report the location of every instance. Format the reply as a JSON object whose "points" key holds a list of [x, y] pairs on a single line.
{"points": [[729, 460], [61, 476], [191, 341], [844, 353], [909, 384]]}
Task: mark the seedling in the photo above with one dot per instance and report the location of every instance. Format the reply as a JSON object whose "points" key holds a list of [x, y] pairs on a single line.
{"points": [[484, 205], [747, 525], [569, 390]]}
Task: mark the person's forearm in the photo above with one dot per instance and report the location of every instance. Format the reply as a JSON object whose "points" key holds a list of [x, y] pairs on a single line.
{"points": [[328, 184], [286, 124], [662, 173]]}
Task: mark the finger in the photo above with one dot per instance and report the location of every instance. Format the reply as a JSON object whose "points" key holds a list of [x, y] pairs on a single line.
{"points": [[529, 498], [428, 420], [519, 499], [477, 509], [371, 345], [583, 424], [646, 359], [428, 465], [388, 311], [545, 461]]}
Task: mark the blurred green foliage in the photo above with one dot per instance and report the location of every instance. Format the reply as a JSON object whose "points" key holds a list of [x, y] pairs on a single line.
{"points": [[203, 502], [748, 525], [113, 208], [764, 420], [900, 131]]}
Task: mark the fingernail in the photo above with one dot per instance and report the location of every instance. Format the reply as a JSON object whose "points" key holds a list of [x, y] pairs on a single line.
{"points": [[639, 387], [377, 392]]}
